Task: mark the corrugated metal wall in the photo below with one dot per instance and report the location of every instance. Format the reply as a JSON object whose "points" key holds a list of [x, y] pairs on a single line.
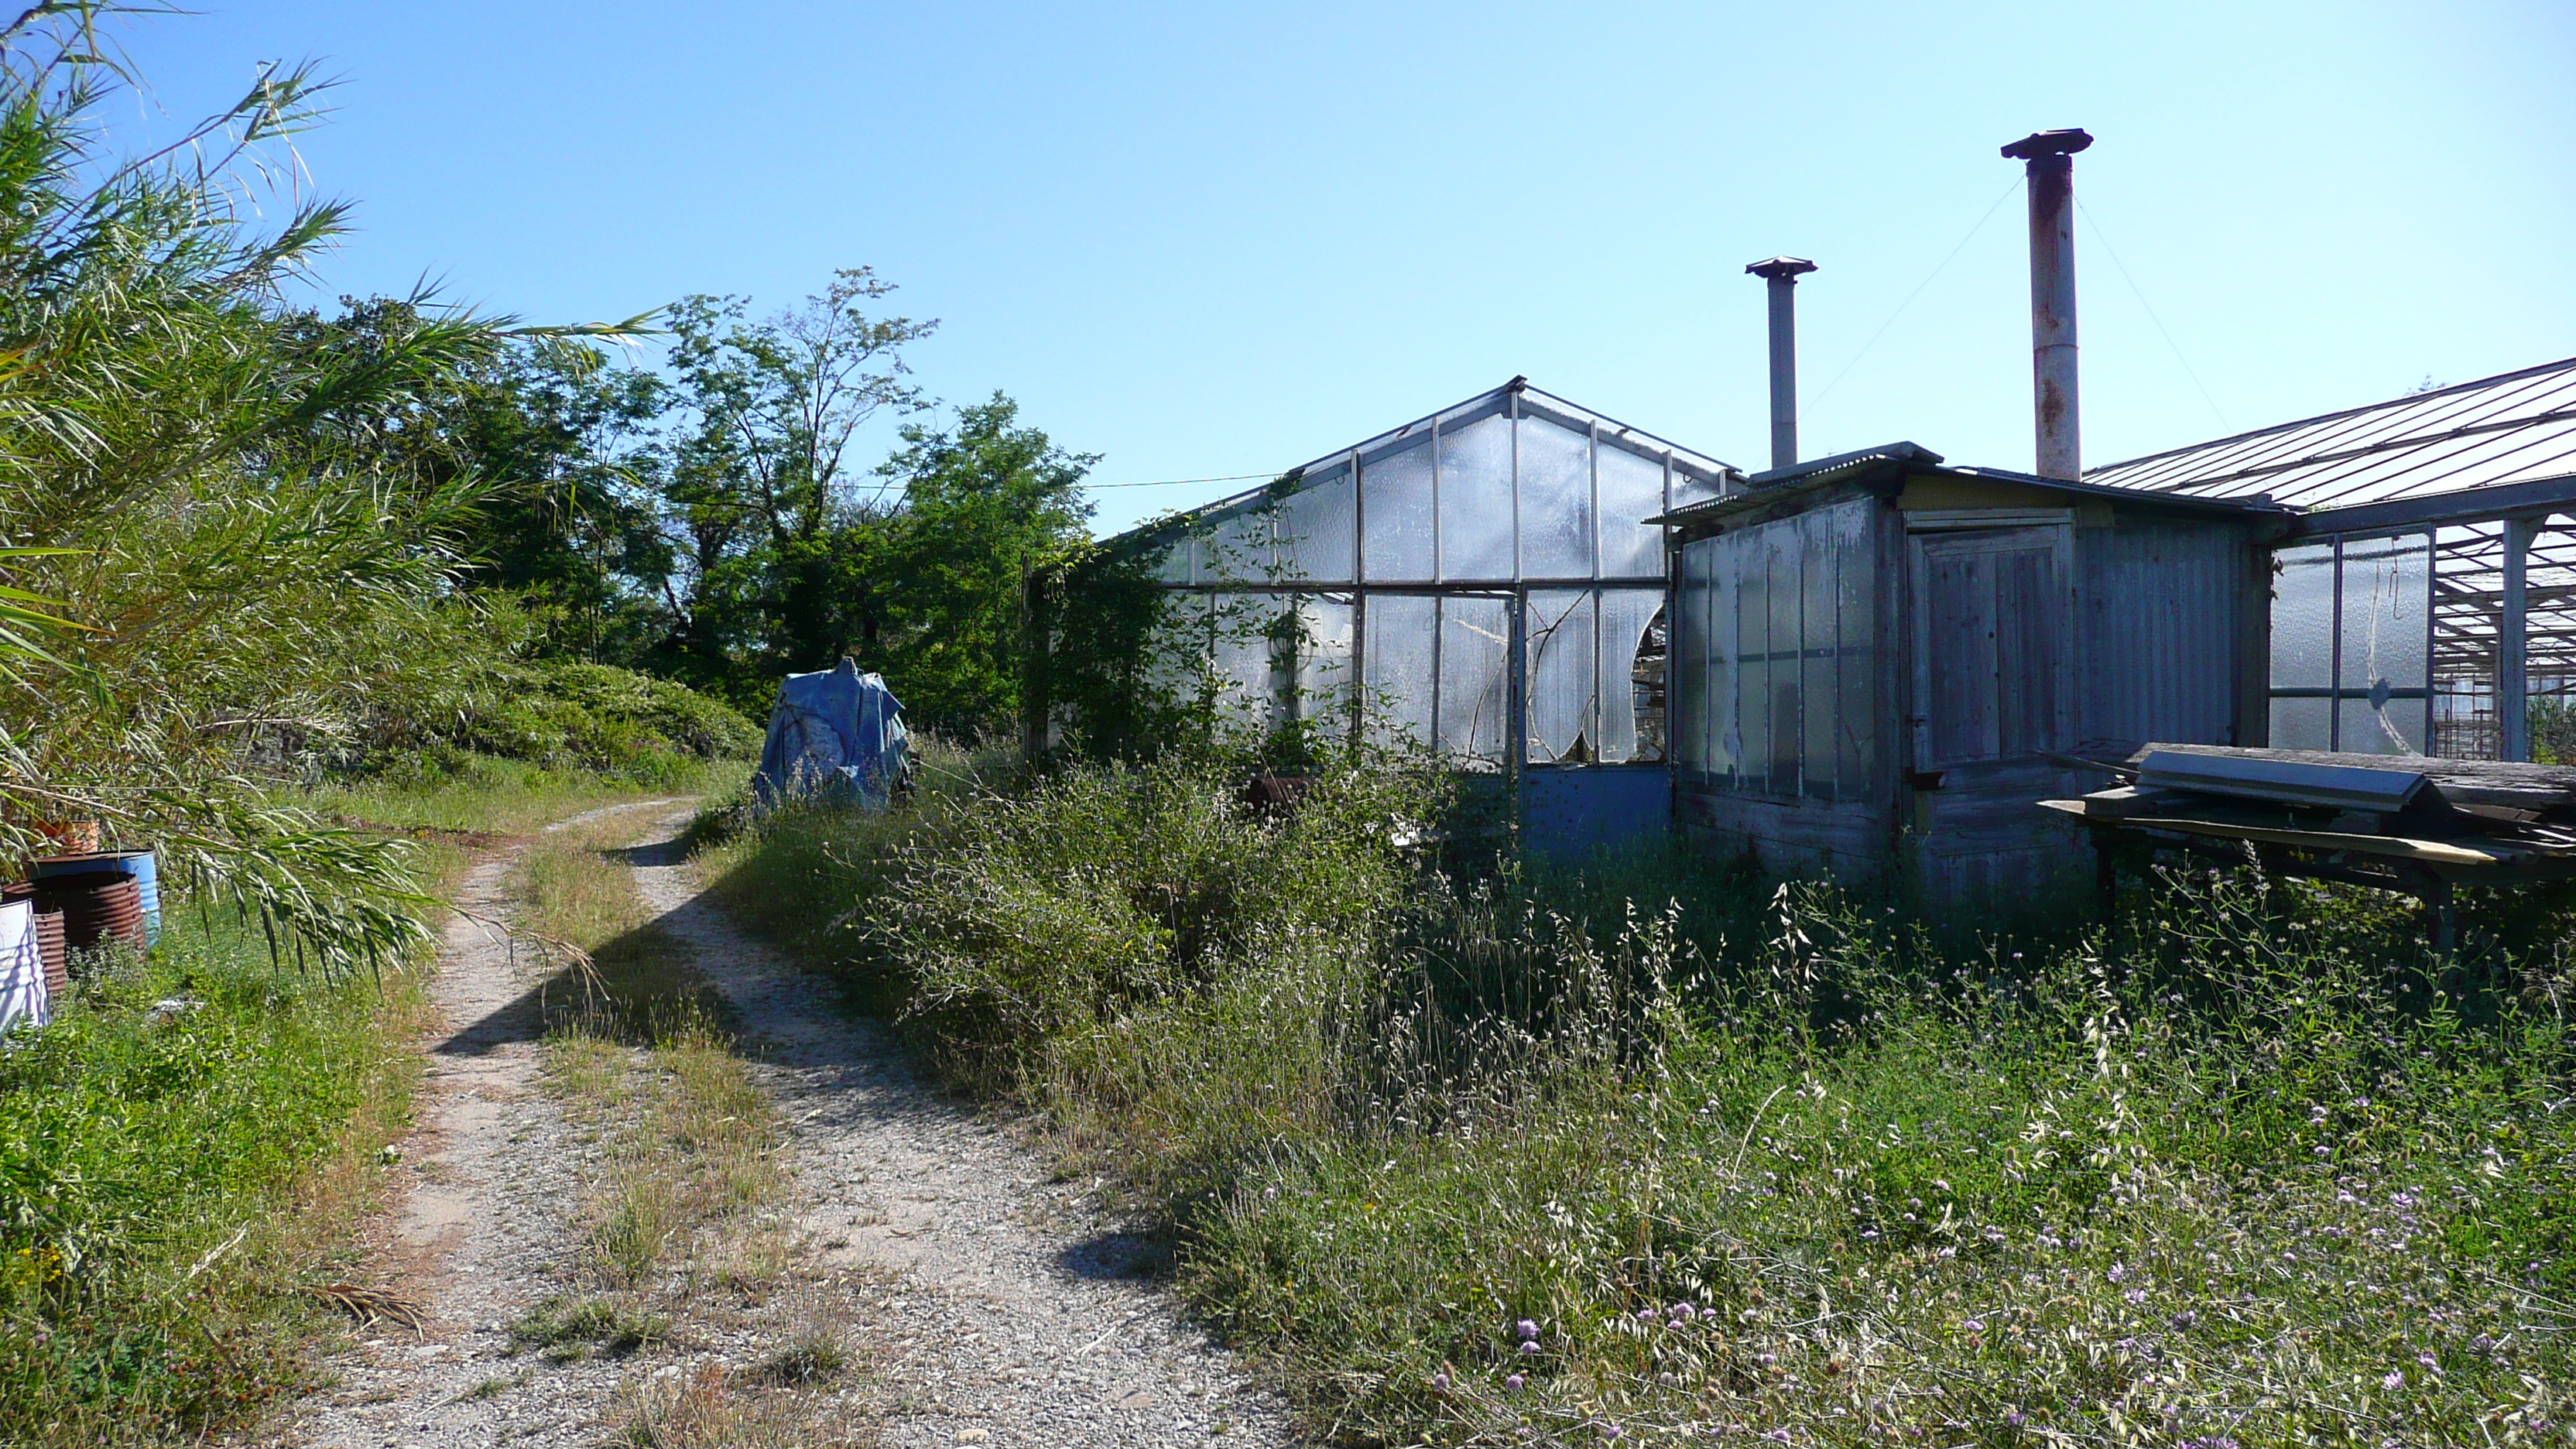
{"points": [[2158, 636]]}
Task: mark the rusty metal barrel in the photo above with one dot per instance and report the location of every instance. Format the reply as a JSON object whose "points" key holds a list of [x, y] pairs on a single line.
{"points": [[98, 906], [51, 945]]}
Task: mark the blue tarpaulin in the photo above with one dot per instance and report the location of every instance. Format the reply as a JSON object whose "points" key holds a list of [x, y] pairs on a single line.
{"points": [[835, 733]]}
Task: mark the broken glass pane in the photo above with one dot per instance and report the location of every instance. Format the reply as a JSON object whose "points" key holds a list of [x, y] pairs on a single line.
{"points": [[1475, 641], [2385, 630], [1625, 613], [1476, 500], [1560, 675]]}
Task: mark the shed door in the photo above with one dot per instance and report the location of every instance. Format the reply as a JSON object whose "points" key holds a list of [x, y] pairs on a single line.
{"points": [[1993, 643]]}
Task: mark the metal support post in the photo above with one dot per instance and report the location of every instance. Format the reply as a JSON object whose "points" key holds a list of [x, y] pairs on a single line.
{"points": [[2513, 682]]}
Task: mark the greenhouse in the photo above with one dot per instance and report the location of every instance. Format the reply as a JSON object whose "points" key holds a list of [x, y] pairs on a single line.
{"points": [[1481, 582]]}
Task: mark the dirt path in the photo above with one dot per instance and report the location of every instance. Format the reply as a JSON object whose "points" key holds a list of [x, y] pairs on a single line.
{"points": [[1015, 1316], [988, 1304]]}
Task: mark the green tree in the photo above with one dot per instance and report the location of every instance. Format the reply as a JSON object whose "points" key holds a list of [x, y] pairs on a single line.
{"points": [[984, 504], [770, 527]]}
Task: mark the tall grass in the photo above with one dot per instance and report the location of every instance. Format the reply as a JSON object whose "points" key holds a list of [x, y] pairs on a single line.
{"points": [[181, 1152], [1510, 1155]]}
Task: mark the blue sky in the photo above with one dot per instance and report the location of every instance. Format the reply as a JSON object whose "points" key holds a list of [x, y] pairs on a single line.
{"points": [[1206, 240]]}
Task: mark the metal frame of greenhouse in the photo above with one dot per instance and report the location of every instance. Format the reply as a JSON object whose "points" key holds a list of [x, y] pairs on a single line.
{"points": [[1481, 581]]}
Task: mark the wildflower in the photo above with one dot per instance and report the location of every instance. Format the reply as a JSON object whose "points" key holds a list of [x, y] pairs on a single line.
{"points": [[2136, 1295], [1685, 1312], [2428, 1361], [1971, 1326], [1779, 1436], [1528, 1347], [1949, 1252], [1528, 1329], [2118, 1272], [2015, 1418], [2394, 1381], [1440, 1381], [1513, 1381], [1645, 1315], [1270, 1194], [1768, 1359]]}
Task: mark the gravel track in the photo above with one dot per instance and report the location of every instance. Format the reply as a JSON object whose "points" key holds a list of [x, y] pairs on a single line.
{"points": [[988, 1303], [1015, 1314]]}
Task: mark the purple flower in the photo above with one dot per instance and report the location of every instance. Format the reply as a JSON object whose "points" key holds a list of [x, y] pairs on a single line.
{"points": [[1513, 1381], [2394, 1381], [2428, 1361], [1781, 1436], [1685, 1312], [2015, 1418], [1528, 1347], [1645, 1315], [1529, 1329], [1769, 1359], [1971, 1325], [1440, 1381]]}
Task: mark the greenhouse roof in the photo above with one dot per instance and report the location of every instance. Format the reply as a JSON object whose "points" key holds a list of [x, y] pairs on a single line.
{"points": [[1710, 472], [2507, 443]]}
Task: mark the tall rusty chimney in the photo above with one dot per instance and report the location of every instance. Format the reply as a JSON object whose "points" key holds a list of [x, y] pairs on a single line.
{"points": [[1781, 275], [2048, 159]]}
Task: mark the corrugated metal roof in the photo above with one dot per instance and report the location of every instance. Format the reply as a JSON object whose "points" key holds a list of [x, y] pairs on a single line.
{"points": [[2516, 428]]}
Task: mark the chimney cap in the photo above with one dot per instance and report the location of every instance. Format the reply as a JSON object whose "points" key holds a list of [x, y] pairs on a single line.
{"points": [[1778, 267], [2049, 143]]}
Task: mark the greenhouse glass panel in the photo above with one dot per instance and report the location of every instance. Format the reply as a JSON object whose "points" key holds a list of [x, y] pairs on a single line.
{"points": [[1324, 659], [1856, 711], [1786, 702], [2384, 604], [1632, 491], [1556, 501], [1721, 688], [1175, 667], [1474, 683], [1237, 549], [1746, 564], [1688, 664], [1395, 661], [2303, 599], [2301, 724], [1820, 641], [1395, 494], [1561, 691], [1476, 500], [1625, 613], [1249, 653], [1315, 525], [1788, 698], [1175, 562]]}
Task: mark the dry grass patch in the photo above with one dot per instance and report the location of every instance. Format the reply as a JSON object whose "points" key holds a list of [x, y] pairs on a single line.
{"points": [[639, 1053]]}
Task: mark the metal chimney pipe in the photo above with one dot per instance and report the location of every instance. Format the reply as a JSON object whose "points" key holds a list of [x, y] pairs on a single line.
{"points": [[1781, 275], [2047, 158]]}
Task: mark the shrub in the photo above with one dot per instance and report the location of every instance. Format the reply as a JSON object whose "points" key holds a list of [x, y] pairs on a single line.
{"points": [[1649, 1148]]}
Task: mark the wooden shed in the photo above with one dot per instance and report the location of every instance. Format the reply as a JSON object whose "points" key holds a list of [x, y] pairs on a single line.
{"points": [[1874, 657]]}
